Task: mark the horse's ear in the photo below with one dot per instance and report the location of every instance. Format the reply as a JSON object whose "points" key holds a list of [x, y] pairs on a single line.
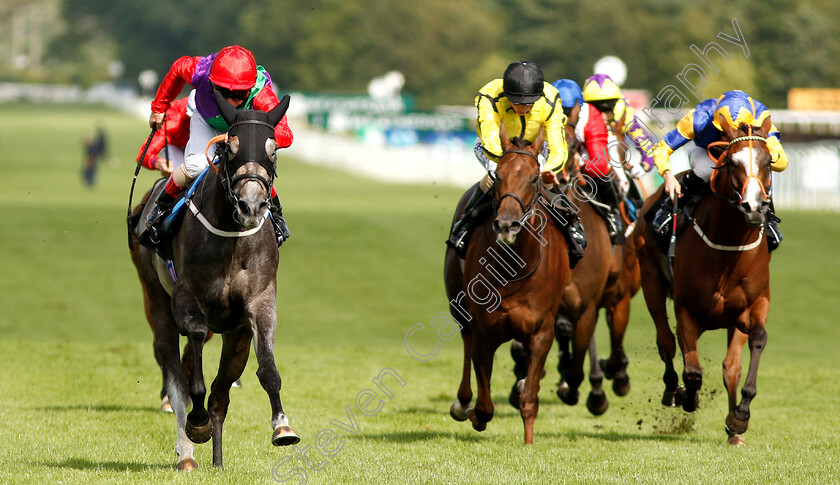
{"points": [[275, 115], [503, 136], [766, 126], [227, 111], [728, 130]]}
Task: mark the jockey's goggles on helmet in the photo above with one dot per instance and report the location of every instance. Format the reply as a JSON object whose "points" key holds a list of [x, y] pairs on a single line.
{"points": [[236, 95], [604, 105]]}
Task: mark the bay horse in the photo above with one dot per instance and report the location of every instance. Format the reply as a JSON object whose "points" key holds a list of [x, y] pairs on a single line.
{"points": [[510, 283], [721, 275], [606, 277], [226, 262]]}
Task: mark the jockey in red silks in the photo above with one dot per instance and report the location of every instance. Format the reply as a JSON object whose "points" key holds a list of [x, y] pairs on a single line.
{"points": [[170, 140], [244, 85], [591, 131], [701, 126], [603, 93]]}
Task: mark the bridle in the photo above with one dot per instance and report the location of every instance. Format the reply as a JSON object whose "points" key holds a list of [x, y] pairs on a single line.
{"points": [[724, 160], [525, 209], [229, 165]]}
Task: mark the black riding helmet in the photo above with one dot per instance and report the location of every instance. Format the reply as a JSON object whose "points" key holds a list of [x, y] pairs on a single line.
{"points": [[523, 82]]}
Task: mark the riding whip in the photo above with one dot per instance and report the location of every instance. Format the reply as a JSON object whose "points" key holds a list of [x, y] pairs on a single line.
{"points": [[672, 246], [133, 182]]}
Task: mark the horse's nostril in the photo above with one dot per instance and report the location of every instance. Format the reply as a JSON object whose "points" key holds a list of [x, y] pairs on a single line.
{"points": [[745, 205], [515, 227], [496, 226], [243, 208]]}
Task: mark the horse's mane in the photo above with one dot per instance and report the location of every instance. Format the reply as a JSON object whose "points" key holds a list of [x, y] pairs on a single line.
{"points": [[520, 142]]}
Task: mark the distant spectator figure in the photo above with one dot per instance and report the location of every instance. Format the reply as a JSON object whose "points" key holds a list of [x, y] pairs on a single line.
{"points": [[93, 151]]}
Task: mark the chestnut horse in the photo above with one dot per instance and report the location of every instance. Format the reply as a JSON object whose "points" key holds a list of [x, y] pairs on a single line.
{"points": [[509, 286], [721, 276], [606, 277], [226, 259]]}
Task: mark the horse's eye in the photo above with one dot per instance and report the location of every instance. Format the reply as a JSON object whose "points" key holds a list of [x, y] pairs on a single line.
{"points": [[535, 179]]}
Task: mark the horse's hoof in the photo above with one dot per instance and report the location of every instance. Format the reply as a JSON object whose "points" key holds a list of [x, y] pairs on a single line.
{"points": [[476, 424], [187, 465], [672, 399], [605, 368], [165, 406], [736, 440], [621, 385], [566, 395], [735, 426], [597, 403], [457, 411], [513, 397], [236, 383], [690, 401], [199, 434], [284, 436]]}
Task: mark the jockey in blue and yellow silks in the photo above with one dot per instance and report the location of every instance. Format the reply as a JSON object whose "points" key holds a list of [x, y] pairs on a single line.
{"points": [[603, 93], [524, 103], [701, 126]]}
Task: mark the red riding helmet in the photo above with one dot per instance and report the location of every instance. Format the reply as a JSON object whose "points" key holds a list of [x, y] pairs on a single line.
{"points": [[234, 68]]}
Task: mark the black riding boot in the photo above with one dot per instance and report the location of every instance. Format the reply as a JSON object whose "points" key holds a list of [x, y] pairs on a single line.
{"points": [[281, 229], [774, 235], [462, 229], [154, 221], [691, 185], [608, 194]]}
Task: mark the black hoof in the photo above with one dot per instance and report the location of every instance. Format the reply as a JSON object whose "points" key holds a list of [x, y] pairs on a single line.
{"points": [[597, 403], [621, 385], [567, 395], [284, 436], [199, 434], [690, 401], [513, 397], [671, 399]]}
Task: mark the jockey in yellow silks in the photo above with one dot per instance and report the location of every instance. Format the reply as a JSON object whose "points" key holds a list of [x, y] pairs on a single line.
{"points": [[603, 93], [525, 103], [701, 126]]}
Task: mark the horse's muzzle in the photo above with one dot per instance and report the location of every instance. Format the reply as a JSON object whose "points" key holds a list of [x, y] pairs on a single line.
{"points": [[755, 215], [250, 214], [507, 229]]}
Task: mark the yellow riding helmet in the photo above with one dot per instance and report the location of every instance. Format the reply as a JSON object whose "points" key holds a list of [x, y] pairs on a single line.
{"points": [[737, 108], [600, 87]]}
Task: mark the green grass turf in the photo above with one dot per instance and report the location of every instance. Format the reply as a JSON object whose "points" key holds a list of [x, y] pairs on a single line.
{"points": [[78, 391]]}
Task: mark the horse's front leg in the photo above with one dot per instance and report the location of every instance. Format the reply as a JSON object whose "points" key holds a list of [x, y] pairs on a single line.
{"points": [[732, 375], [739, 418], [581, 338], [458, 409], [483, 350], [263, 325], [193, 322], [529, 404], [688, 332], [563, 329], [235, 349], [655, 289], [615, 368]]}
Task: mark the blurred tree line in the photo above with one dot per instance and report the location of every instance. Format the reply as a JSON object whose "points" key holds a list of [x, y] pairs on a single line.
{"points": [[446, 49]]}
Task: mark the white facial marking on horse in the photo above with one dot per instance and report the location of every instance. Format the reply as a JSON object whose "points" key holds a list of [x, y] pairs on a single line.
{"points": [[748, 160]]}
